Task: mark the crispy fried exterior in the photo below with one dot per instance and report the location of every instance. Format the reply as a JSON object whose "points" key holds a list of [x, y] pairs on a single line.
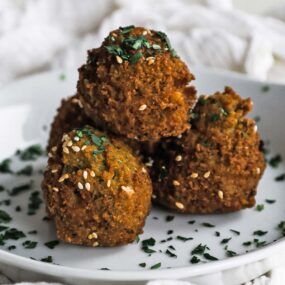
{"points": [[216, 166], [70, 115], [145, 100], [97, 191]]}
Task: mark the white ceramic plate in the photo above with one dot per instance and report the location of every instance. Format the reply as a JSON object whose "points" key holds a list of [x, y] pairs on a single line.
{"points": [[28, 105]]}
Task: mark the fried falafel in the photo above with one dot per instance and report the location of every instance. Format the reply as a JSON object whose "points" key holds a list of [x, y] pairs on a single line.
{"points": [[97, 191], [136, 86], [214, 167]]}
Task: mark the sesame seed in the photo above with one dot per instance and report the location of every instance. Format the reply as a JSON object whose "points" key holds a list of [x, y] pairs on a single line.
{"points": [[92, 236], [54, 170], [69, 143], [50, 155], [80, 185], [127, 189], [194, 175], [119, 59], [96, 243], [92, 173], [150, 60], [255, 128], [63, 177], [221, 194], [142, 107], [65, 150], [77, 101], [85, 174], [179, 136], [83, 147], [54, 149], [87, 186], [179, 205], [55, 189], [144, 33], [76, 139], [65, 137], [108, 183], [176, 183], [153, 196], [207, 174], [76, 148], [144, 170], [258, 170], [178, 158]]}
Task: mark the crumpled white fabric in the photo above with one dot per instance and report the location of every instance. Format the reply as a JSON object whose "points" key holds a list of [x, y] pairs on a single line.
{"points": [[43, 34]]}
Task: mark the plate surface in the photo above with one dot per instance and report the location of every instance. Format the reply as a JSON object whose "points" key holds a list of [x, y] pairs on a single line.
{"points": [[29, 105]]}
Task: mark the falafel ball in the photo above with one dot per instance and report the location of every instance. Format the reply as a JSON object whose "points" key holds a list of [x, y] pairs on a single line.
{"points": [[215, 167], [136, 86], [97, 191], [70, 115]]}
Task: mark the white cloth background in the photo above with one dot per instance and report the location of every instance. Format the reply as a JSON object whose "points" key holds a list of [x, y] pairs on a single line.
{"points": [[38, 35]]}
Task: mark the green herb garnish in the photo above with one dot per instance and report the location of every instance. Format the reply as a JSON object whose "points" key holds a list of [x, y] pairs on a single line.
{"points": [[260, 233], [195, 259], [184, 238], [225, 240], [47, 259], [28, 244], [275, 161], [13, 234], [281, 177], [20, 189], [208, 225], [27, 170], [52, 244], [200, 249], [4, 217], [143, 265], [31, 153], [209, 257], [5, 166], [156, 266], [235, 232], [259, 207]]}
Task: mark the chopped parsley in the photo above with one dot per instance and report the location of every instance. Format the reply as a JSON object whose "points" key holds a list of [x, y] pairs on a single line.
{"points": [[28, 244], [170, 232], [192, 222], [47, 259], [217, 234], [3, 228], [13, 234], [2, 188], [156, 266], [143, 265], [200, 249], [5, 166], [208, 225], [170, 254], [62, 77], [225, 240], [230, 253], [148, 242], [259, 207], [27, 170], [265, 88], [32, 232], [20, 189], [281, 177], [235, 232], [195, 259], [34, 202], [275, 161], [4, 217], [184, 238], [209, 257], [11, 247], [169, 218], [215, 117], [259, 233], [270, 201], [52, 244], [30, 153], [247, 243]]}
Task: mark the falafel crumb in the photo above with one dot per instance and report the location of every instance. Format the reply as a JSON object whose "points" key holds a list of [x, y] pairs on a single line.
{"points": [[92, 173], [178, 158], [179, 205], [87, 186], [194, 175], [80, 185], [142, 107], [76, 148], [63, 177], [176, 183], [221, 194], [207, 174], [150, 60], [129, 190]]}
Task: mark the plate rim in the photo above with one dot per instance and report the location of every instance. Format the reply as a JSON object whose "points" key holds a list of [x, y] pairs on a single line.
{"points": [[145, 274]]}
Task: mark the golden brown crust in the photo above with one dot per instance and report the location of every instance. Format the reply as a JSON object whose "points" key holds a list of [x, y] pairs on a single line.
{"points": [[215, 167], [142, 100], [70, 115], [96, 190]]}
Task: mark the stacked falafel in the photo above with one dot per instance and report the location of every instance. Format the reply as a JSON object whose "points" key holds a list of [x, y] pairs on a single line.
{"points": [[134, 102]]}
